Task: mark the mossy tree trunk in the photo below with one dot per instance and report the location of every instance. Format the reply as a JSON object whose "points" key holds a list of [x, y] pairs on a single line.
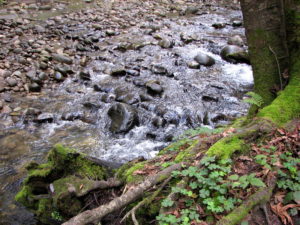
{"points": [[266, 34]]}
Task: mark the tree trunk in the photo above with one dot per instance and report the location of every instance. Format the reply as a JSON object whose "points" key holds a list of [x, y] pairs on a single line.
{"points": [[266, 34]]}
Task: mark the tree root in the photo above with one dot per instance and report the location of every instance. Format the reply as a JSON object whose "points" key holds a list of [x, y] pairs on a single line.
{"points": [[146, 201], [95, 215], [260, 197]]}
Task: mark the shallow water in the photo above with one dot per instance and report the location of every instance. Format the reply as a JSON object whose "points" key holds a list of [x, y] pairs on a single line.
{"points": [[209, 96]]}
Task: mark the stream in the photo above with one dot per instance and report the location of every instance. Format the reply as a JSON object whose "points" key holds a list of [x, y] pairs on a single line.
{"points": [[132, 63]]}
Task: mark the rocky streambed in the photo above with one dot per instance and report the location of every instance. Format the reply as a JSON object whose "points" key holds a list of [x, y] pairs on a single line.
{"points": [[116, 79]]}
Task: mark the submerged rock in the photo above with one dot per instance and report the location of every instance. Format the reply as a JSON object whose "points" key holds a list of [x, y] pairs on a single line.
{"points": [[204, 59], [123, 117], [235, 54]]}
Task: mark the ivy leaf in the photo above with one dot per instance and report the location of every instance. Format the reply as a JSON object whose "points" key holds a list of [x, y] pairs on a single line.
{"points": [[233, 177], [167, 203], [257, 182]]}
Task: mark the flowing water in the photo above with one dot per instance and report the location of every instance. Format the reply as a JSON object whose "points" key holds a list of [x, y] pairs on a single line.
{"points": [[77, 112]]}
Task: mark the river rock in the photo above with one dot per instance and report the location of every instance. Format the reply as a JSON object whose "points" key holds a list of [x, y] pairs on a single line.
{"points": [[44, 118], [118, 71], [71, 116], [236, 40], [190, 10], [159, 69], [125, 95], [34, 87], [62, 58], [123, 117], [154, 87], [193, 64], [204, 59], [165, 43], [11, 82], [85, 75], [235, 54]]}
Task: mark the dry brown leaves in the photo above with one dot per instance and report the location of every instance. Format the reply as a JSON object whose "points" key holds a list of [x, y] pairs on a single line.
{"points": [[281, 212], [147, 170]]}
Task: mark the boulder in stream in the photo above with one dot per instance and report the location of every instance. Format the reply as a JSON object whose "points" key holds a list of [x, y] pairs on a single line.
{"points": [[204, 59], [123, 117], [235, 54]]}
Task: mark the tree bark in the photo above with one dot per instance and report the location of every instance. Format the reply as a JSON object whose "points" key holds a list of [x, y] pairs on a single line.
{"points": [[264, 22]]}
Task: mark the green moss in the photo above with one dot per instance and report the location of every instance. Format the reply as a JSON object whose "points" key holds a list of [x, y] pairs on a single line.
{"points": [[130, 177], [225, 147], [287, 105], [187, 153], [63, 166], [22, 196]]}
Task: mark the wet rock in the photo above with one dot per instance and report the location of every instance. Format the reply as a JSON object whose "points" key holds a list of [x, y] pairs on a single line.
{"points": [[207, 98], [71, 116], [123, 117], [154, 87], [64, 69], [237, 23], [19, 31], [118, 71], [193, 64], [110, 32], [84, 75], [236, 40], [187, 38], [125, 95], [235, 54], [11, 82], [159, 69], [190, 10], [134, 73], [171, 117], [165, 43], [108, 98], [34, 87], [58, 76], [45, 7], [145, 98], [158, 122], [44, 118], [62, 58], [43, 65], [39, 29], [219, 25], [204, 59]]}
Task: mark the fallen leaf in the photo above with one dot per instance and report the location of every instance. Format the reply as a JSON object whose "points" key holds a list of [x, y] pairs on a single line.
{"points": [[245, 158], [81, 186], [279, 196]]}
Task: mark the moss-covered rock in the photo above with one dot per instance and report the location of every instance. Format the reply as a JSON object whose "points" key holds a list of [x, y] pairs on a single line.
{"points": [[56, 185]]}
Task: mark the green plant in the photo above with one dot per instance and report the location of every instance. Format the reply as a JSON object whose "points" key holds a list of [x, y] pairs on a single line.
{"points": [[198, 131], [246, 180], [207, 186], [289, 175], [56, 215], [255, 99]]}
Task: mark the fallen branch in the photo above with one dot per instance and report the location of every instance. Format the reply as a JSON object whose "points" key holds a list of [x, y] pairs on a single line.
{"points": [[95, 215], [146, 201]]}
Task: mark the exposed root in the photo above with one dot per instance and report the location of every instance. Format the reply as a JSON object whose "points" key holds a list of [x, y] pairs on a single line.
{"points": [[146, 201], [95, 215]]}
